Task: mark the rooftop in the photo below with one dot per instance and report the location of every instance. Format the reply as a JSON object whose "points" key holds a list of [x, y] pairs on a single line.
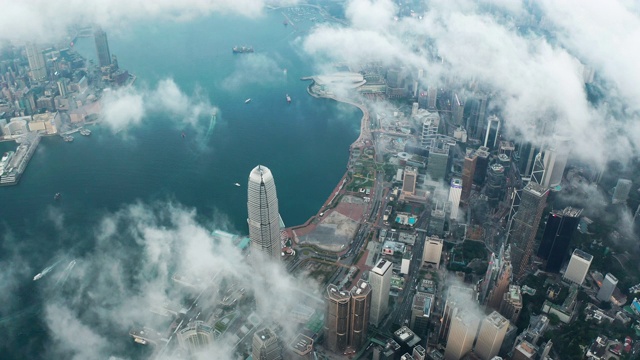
{"points": [[302, 344], [497, 320], [382, 267], [581, 254]]}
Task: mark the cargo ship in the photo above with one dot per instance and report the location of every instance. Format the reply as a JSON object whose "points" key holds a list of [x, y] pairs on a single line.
{"points": [[242, 49]]}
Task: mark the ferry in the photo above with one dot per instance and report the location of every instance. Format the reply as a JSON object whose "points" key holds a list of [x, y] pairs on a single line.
{"points": [[38, 277], [56, 196], [288, 99], [242, 49], [85, 132], [67, 138], [236, 184], [247, 101]]}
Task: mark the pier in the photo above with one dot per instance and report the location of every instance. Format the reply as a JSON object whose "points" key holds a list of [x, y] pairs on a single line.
{"points": [[18, 163]]}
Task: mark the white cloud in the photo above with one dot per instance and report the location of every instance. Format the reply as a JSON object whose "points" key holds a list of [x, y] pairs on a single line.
{"points": [[254, 69]]}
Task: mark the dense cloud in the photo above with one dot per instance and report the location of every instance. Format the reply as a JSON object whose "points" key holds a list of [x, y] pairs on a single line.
{"points": [[128, 106], [535, 82], [50, 20]]}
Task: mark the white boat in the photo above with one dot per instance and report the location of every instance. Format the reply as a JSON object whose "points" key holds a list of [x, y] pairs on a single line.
{"points": [[4, 162], [236, 184], [38, 277], [247, 101]]}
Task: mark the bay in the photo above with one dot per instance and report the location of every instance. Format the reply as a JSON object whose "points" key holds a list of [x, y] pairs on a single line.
{"points": [[304, 143]]}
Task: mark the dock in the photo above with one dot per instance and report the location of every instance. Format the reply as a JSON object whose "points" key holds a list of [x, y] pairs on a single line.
{"points": [[17, 165]]}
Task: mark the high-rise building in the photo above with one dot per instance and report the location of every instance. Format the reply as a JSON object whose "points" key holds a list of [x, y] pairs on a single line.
{"points": [[491, 334], [555, 160], [266, 345], [380, 280], [525, 225], [410, 175], [37, 64], [264, 218], [432, 93], [102, 47], [500, 284], [432, 251], [455, 192], [476, 122], [439, 160], [457, 109], [512, 304], [608, 286], [195, 336], [336, 319], [419, 353], [621, 191], [462, 333], [468, 171], [457, 298], [482, 163], [525, 351], [437, 220], [430, 124], [359, 314], [421, 312], [557, 237], [493, 132], [578, 267], [496, 184]]}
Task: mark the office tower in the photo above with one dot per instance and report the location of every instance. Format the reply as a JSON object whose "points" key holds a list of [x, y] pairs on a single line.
{"points": [[455, 192], [37, 65], [462, 333], [102, 48], [432, 251], [493, 132], [546, 349], [421, 312], [457, 109], [468, 171], [359, 314], [608, 286], [475, 122], [266, 345], [503, 278], [496, 184], [195, 336], [419, 353], [512, 304], [423, 99], [432, 94], [380, 280], [336, 319], [491, 334], [555, 160], [302, 347], [557, 237], [578, 267], [524, 226], [63, 86], [393, 78], [490, 277], [414, 109], [437, 220], [264, 218], [438, 166], [621, 191], [482, 164], [410, 175], [457, 298], [430, 124]]}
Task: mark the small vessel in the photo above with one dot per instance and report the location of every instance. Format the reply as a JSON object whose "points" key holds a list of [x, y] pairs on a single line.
{"points": [[288, 99], [85, 132], [184, 135], [56, 196], [236, 184], [67, 138], [242, 49], [285, 23], [285, 71], [38, 277], [247, 101]]}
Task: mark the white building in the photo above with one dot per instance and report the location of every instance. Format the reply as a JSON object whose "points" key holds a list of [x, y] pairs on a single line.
{"points": [[608, 286], [455, 191], [380, 280], [462, 333], [432, 251], [491, 335], [578, 267]]}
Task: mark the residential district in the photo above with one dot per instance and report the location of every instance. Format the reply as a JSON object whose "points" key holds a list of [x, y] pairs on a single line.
{"points": [[444, 239]]}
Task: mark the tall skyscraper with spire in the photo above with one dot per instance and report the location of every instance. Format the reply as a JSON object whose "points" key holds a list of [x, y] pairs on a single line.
{"points": [[264, 217], [102, 47]]}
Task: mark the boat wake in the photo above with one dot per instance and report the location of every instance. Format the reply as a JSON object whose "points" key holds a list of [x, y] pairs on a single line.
{"points": [[46, 270], [62, 279]]}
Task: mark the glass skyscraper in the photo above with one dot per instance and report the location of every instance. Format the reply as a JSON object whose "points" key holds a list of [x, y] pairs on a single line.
{"points": [[264, 217]]}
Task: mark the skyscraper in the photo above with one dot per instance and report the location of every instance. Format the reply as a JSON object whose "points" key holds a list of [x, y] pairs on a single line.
{"points": [[432, 251], [195, 336], [37, 64], [264, 218], [468, 171], [380, 279], [462, 333], [359, 314], [608, 286], [499, 285], [421, 312], [524, 226], [438, 166], [482, 163], [102, 47], [266, 345], [336, 319], [493, 132], [555, 160], [621, 191], [578, 266], [491, 335], [557, 237], [455, 192], [496, 184], [512, 304]]}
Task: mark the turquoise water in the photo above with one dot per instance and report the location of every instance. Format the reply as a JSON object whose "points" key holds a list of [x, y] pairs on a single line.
{"points": [[305, 144]]}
